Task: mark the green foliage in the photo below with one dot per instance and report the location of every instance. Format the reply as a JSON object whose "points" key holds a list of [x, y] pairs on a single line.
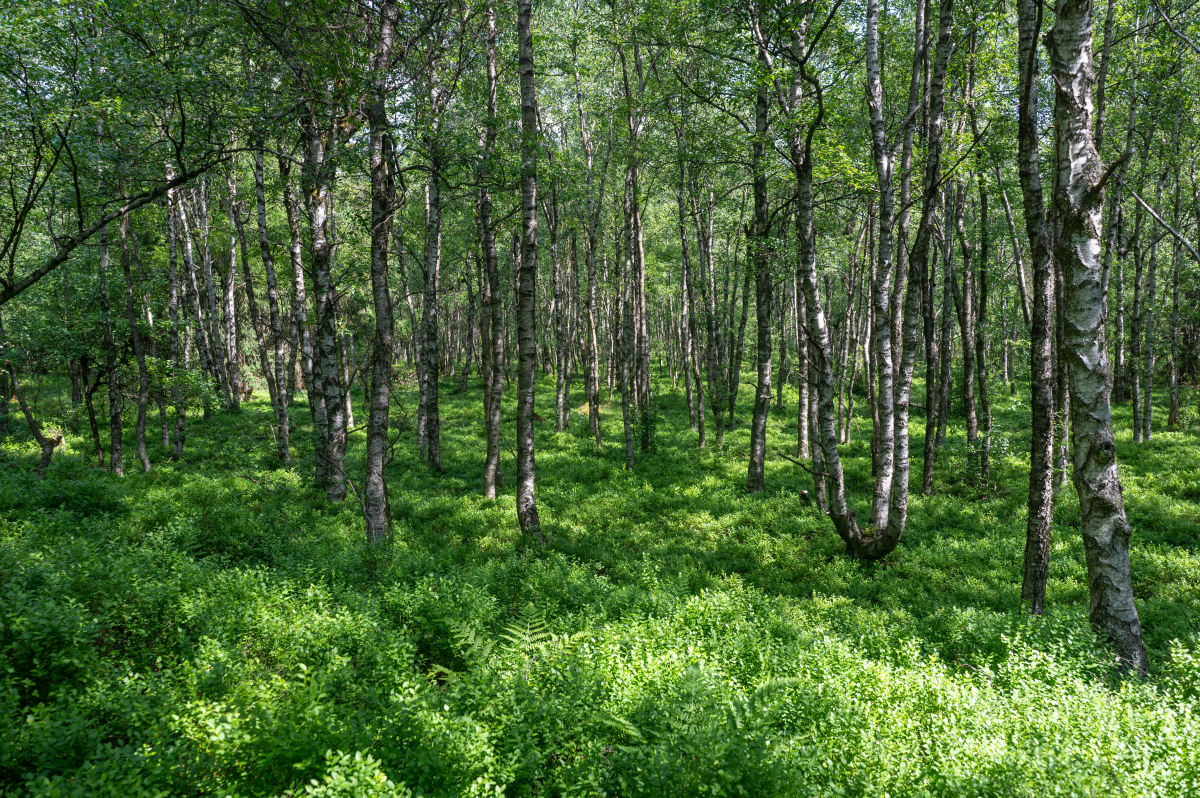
{"points": [[219, 628]]}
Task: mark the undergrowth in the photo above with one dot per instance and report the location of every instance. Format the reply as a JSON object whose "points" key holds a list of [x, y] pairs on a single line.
{"points": [[216, 627]]}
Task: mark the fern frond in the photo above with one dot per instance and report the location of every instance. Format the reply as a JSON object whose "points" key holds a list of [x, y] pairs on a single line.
{"points": [[620, 724], [471, 643], [528, 633]]}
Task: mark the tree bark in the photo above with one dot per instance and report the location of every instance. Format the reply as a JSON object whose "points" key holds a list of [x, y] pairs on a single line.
{"points": [[376, 507], [135, 341], [758, 258], [527, 513], [116, 462], [881, 332], [278, 337], [301, 340], [330, 410], [229, 316], [1079, 199], [47, 444], [178, 346], [431, 267], [216, 348], [236, 210], [591, 348], [919, 257], [1041, 377], [964, 300], [493, 338]]}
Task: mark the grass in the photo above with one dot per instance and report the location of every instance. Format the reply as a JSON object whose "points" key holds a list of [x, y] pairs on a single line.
{"points": [[216, 627]]}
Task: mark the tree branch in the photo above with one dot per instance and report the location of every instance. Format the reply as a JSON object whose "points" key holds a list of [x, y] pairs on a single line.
{"points": [[64, 250], [1178, 236]]}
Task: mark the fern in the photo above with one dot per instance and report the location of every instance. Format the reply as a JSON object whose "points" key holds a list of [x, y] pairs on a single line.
{"points": [[473, 644], [530, 638], [529, 634]]}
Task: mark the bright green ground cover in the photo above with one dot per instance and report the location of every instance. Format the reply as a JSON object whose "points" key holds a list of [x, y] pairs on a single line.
{"points": [[217, 628]]}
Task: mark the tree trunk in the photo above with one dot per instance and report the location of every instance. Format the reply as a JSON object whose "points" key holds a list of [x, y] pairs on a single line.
{"points": [[736, 351], [376, 507], [301, 340], [469, 333], [1176, 263], [279, 339], [236, 210], [946, 341], [431, 269], [1041, 376], [1135, 332], [591, 349], [965, 304], [213, 322], [1079, 199], [135, 340], [330, 411], [116, 463], [47, 444], [493, 337], [177, 346], [881, 332], [1149, 313], [192, 292], [628, 326], [919, 257], [527, 513], [233, 353], [691, 341], [757, 256]]}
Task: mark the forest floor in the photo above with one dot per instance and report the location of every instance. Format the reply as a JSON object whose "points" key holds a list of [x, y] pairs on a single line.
{"points": [[216, 627]]}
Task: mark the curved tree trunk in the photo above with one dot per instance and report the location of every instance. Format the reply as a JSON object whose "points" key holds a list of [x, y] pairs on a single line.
{"points": [[1079, 199]]}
